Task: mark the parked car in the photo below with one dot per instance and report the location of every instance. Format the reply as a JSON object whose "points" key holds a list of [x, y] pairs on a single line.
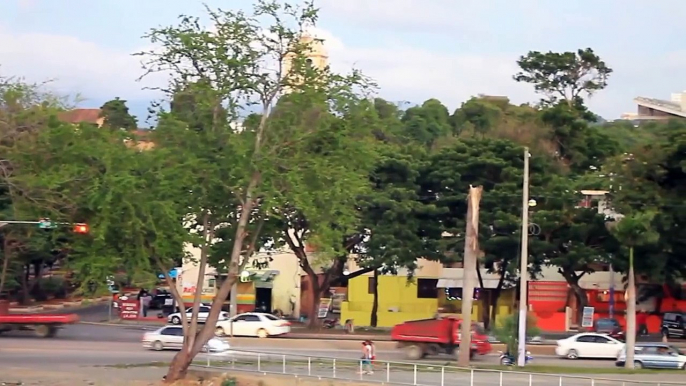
{"points": [[171, 337], [589, 345], [655, 356], [674, 324], [160, 299], [257, 324], [203, 314], [609, 326]]}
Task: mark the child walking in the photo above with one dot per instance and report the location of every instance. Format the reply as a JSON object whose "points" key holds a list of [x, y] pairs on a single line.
{"points": [[366, 360]]}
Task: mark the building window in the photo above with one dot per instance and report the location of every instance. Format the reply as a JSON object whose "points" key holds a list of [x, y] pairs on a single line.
{"points": [[426, 288], [371, 282], [308, 61], [212, 283]]}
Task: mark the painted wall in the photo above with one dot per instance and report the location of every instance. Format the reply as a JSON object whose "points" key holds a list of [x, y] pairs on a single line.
{"points": [[398, 302], [286, 285]]}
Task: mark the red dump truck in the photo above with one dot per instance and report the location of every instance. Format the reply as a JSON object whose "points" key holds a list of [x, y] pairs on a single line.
{"points": [[43, 325], [420, 338]]}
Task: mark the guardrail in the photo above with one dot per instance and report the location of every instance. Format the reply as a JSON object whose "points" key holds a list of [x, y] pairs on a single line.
{"points": [[397, 373]]}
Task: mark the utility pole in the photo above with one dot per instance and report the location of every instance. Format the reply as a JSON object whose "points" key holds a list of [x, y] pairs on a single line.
{"points": [[524, 269], [469, 267]]}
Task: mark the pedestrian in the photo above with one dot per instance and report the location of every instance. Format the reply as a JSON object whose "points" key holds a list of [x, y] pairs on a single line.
{"points": [[146, 304], [373, 353], [366, 360]]}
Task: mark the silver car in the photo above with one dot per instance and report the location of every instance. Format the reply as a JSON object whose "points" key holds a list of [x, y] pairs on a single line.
{"points": [[655, 356], [171, 338]]}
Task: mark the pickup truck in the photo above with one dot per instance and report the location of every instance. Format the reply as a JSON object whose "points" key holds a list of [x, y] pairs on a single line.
{"points": [[420, 338], [43, 325]]}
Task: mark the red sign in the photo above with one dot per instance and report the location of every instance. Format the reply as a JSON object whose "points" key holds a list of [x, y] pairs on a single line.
{"points": [[128, 309]]}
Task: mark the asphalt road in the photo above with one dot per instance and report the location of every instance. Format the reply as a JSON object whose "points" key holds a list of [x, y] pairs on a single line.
{"points": [[53, 354]]}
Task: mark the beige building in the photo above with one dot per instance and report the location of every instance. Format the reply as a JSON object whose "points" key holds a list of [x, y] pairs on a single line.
{"points": [[659, 109]]}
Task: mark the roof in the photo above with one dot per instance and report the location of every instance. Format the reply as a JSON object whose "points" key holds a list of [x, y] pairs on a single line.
{"points": [[80, 116], [668, 107]]}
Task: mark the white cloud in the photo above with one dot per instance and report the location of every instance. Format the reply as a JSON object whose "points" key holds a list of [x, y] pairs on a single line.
{"points": [[403, 72], [75, 66]]}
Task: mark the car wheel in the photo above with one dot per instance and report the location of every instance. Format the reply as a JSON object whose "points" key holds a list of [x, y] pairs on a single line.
{"points": [[262, 333], [219, 331], [638, 365], [572, 354], [176, 320], [158, 346]]}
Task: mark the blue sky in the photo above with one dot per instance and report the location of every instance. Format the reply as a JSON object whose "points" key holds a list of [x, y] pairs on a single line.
{"points": [[447, 49]]}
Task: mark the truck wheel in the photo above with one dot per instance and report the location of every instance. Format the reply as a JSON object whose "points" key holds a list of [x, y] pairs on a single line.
{"points": [[414, 352], [44, 331]]}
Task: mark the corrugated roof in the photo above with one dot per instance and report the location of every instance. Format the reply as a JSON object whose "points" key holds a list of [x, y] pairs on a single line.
{"points": [[80, 116]]}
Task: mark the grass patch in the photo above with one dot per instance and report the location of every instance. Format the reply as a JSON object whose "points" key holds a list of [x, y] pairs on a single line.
{"points": [[580, 370], [136, 365]]}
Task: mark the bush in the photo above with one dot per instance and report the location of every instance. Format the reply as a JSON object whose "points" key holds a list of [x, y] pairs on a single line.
{"points": [[54, 286]]}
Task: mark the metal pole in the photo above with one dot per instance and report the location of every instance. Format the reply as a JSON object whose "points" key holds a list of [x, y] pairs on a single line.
{"points": [[471, 378], [442, 376], [524, 271], [309, 366], [283, 359], [259, 362], [334, 368], [612, 292], [415, 375], [388, 372], [233, 302]]}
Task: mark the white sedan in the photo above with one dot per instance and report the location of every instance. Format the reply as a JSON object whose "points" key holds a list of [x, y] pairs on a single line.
{"points": [[256, 324], [589, 345], [203, 314]]}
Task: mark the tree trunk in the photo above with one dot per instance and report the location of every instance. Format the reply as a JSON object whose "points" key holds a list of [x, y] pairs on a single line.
{"points": [[631, 314], [373, 319], [471, 251], [6, 255], [179, 366], [24, 298]]}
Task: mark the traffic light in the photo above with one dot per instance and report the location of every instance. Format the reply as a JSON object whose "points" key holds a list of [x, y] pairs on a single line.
{"points": [[81, 228]]}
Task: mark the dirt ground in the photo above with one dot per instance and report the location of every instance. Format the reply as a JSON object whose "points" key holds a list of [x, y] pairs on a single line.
{"points": [[143, 376]]}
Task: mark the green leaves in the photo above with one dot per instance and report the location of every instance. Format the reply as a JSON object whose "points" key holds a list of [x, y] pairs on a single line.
{"points": [[564, 76]]}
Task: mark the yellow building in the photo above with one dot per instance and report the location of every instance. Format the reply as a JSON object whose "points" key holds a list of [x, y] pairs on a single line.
{"points": [[399, 299]]}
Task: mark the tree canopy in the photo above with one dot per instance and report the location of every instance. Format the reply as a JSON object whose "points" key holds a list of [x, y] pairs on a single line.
{"points": [[253, 157]]}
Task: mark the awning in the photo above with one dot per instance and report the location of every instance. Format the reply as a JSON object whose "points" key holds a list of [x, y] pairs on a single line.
{"points": [[459, 283], [173, 273]]}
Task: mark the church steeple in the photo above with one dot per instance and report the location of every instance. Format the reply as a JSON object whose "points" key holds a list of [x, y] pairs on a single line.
{"points": [[316, 54]]}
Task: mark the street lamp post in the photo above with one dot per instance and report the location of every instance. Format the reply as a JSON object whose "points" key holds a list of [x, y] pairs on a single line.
{"points": [[523, 270]]}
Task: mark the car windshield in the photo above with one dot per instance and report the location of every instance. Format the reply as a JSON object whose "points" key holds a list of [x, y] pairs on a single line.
{"points": [[677, 350], [270, 317], [477, 329]]}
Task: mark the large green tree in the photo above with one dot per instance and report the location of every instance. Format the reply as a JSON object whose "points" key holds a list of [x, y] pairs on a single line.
{"points": [[299, 155], [498, 166], [116, 115]]}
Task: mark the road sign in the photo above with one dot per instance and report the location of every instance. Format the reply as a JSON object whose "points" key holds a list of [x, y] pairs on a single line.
{"points": [[45, 223], [128, 309]]}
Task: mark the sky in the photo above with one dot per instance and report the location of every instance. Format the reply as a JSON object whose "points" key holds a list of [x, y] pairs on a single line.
{"points": [[414, 49]]}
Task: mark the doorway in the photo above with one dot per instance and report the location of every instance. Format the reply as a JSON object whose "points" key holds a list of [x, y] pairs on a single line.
{"points": [[263, 300]]}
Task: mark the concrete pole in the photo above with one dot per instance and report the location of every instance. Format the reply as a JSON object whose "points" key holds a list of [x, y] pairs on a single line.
{"points": [[470, 265], [523, 270]]}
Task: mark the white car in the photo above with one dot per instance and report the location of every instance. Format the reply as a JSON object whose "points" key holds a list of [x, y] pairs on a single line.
{"points": [[589, 345], [203, 314], [171, 337], [256, 324]]}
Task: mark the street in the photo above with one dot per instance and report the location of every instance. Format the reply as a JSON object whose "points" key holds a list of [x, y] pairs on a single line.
{"points": [[91, 345]]}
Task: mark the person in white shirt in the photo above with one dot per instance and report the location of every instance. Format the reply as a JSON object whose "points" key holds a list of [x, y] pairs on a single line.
{"points": [[366, 361]]}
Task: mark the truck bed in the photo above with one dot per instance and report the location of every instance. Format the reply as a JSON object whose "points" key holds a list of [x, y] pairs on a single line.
{"points": [[48, 319]]}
